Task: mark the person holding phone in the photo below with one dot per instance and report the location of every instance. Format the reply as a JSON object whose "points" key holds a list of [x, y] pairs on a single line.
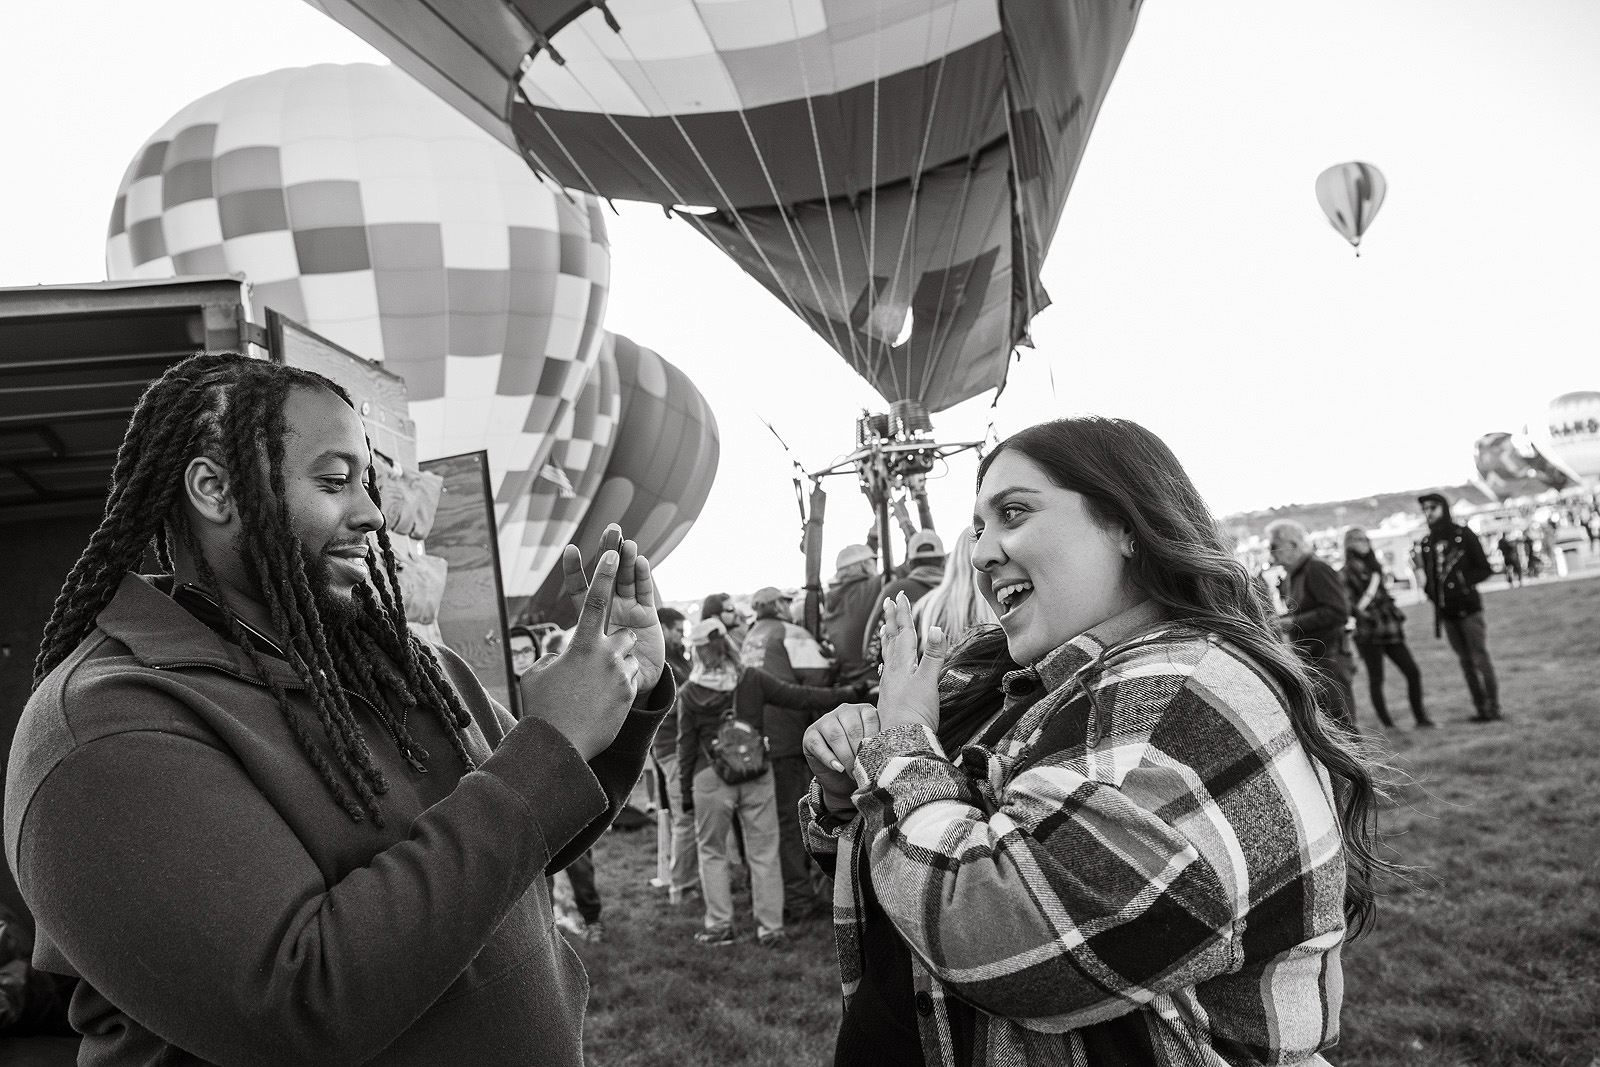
{"points": [[260, 819]]}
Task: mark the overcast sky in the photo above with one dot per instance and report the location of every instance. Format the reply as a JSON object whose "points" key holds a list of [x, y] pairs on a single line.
{"points": [[1197, 287]]}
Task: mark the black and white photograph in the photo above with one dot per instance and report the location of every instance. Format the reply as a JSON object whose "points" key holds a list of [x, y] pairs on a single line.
{"points": [[751, 533]]}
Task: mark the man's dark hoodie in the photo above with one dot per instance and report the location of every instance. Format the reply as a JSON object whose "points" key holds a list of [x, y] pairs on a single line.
{"points": [[1453, 564]]}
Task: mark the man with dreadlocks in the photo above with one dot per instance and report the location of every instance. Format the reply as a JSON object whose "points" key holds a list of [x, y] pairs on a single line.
{"points": [[258, 818]]}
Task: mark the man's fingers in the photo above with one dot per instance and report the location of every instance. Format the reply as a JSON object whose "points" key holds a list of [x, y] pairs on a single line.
{"points": [[628, 555], [644, 586], [597, 602], [611, 538], [572, 570]]}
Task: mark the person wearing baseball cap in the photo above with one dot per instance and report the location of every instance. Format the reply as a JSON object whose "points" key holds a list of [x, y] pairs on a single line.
{"points": [[846, 606], [924, 573], [786, 651], [1453, 563]]}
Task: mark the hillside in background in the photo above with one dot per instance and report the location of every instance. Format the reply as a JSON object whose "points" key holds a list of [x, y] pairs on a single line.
{"points": [[1369, 511]]}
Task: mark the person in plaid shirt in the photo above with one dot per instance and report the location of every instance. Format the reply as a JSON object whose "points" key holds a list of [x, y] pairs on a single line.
{"points": [[1118, 832]]}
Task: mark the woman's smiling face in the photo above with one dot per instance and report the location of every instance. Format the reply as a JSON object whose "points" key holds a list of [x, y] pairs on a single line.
{"points": [[1046, 567]]}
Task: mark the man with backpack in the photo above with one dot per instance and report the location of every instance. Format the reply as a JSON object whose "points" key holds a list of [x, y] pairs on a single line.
{"points": [[724, 771]]}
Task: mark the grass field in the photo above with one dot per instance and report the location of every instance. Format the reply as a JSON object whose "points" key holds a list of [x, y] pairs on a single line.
{"points": [[1488, 954]]}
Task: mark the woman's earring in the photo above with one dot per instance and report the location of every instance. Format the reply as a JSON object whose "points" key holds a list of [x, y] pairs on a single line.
{"points": [[1130, 548]]}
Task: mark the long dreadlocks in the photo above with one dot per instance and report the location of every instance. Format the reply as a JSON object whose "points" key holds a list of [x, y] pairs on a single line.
{"points": [[231, 408]]}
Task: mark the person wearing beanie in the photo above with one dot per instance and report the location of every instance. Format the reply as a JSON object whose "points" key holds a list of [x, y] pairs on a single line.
{"points": [[787, 652], [1453, 563], [849, 601]]}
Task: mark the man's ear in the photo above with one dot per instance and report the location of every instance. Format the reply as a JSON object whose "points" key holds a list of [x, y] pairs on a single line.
{"points": [[205, 485]]}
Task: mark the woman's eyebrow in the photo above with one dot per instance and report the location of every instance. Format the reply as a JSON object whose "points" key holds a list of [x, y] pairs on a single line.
{"points": [[1000, 494]]}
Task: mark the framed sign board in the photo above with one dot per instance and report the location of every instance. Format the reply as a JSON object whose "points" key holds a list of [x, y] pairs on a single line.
{"points": [[472, 614], [379, 395]]}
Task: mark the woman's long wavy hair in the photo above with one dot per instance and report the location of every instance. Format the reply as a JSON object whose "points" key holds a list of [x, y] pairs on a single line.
{"points": [[1129, 478]]}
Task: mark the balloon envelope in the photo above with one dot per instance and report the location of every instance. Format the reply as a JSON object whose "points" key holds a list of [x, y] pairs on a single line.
{"points": [[875, 164], [660, 469], [1574, 425], [1350, 195], [1513, 465], [359, 204]]}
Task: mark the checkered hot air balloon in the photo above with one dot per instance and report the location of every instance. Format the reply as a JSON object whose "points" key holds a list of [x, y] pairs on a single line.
{"points": [[358, 203], [659, 471]]}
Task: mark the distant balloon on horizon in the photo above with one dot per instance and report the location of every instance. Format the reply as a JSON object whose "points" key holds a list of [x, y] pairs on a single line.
{"points": [[1350, 195], [1573, 420]]}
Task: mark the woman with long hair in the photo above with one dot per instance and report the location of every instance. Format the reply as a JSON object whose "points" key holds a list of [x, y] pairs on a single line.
{"points": [[1145, 845], [1380, 626], [955, 605]]}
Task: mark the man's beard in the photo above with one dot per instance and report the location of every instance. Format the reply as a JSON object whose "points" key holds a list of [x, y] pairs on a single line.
{"points": [[339, 612]]}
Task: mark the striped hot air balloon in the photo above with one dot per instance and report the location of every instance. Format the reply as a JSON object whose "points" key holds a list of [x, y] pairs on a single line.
{"points": [[892, 170], [659, 471], [358, 203]]}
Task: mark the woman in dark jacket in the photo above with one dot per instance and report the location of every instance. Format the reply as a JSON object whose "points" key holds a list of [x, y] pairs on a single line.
{"points": [[1380, 626], [720, 689]]}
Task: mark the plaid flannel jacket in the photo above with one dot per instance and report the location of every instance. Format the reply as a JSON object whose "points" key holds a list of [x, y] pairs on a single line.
{"points": [[1147, 837]]}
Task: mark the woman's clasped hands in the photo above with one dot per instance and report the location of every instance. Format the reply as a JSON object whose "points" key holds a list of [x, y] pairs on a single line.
{"points": [[908, 694]]}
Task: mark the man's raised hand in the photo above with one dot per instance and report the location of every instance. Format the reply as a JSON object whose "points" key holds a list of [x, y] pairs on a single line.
{"points": [[633, 607], [586, 691]]}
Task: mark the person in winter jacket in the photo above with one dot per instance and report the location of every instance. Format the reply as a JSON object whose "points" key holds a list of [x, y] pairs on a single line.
{"points": [[720, 689], [1380, 626], [848, 603], [260, 819], [924, 572], [790, 654], [1453, 563], [1316, 611]]}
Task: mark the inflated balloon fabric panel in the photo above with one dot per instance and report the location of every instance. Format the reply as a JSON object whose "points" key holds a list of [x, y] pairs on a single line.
{"points": [[660, 472], [1573, 420], [565, 486], [361, 205], [944, 257], [779, 97], [1063, 57]]}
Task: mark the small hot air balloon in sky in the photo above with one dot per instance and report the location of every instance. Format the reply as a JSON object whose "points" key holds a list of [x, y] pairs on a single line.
{"points": [[1350, 195], [358, 203], [893, 171]]}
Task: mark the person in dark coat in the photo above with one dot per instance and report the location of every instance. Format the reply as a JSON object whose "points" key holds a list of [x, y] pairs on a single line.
{"points": [[924, 572], [790, 654], [1316, 613], [1380, 626], [855, 590], [1453, 564]]}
